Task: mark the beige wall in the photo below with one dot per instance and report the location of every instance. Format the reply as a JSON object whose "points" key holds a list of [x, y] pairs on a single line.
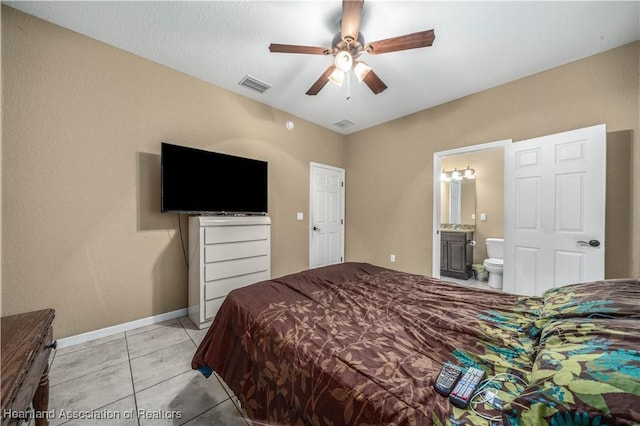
{"points": [[82, 128], [389, 201], [1, 157]]}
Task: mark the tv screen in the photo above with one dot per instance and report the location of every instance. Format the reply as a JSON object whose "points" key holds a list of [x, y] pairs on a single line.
{"points": [[205, 182]]}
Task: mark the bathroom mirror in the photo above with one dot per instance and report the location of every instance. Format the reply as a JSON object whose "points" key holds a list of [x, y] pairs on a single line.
{"points": [[458, 203]]}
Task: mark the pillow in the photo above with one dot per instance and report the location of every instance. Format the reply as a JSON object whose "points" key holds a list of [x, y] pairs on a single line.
{"points": [[598, 299], [586, 372]]}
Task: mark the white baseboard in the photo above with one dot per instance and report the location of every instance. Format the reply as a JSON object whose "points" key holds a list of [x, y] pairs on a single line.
{"points": [[115, 329]]}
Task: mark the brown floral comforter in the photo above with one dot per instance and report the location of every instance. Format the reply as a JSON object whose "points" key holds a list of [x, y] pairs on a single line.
{"points": [[360, 344]]}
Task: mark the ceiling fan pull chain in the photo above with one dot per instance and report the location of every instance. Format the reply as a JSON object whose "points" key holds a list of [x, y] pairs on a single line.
{"points": [[348, 84]]}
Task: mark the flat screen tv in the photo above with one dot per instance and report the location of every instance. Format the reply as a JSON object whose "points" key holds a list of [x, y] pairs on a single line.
{"points": [[205, 182]]}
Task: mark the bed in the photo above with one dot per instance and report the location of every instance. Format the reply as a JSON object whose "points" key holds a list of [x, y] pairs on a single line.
{"points": [[359, 344]]}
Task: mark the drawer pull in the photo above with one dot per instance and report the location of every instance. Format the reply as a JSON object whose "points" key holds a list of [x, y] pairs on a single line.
{"points": [[53, 345]]}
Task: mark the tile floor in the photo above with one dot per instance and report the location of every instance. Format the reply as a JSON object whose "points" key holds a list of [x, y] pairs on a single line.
{"points": [[145, 371], [471, 282]]}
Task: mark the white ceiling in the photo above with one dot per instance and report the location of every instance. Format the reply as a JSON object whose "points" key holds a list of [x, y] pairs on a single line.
{"points": [[478, 45]]}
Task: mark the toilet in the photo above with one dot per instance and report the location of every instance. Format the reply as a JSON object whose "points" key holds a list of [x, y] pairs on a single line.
{"points": [[494, 264]]}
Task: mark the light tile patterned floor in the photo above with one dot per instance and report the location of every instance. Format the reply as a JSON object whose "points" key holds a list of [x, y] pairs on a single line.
{"points": [[140, 377], [471, 282]]}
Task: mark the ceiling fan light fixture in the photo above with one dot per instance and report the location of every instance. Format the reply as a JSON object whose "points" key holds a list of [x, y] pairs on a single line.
{"points": [[361, 70], [336, 77], [343, 61], [348, 44]]}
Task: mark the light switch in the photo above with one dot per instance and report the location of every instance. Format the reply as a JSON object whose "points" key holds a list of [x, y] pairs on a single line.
{"points": [[300, 216], [483, 216]]}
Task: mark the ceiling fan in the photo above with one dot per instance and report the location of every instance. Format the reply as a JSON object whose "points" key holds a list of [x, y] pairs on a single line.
{"points": [[347, 47]]}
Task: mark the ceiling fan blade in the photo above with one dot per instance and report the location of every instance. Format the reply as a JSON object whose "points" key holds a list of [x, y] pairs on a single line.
{"points": [[351, 12], [292, 48], [409, 41], [321, 81], [373, 81]]}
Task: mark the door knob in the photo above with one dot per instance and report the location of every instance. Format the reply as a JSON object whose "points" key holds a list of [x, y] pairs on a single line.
{"points": [[591, 243], [315, 228]]}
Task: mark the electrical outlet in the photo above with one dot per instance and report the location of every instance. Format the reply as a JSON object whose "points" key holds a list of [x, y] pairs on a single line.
{"points": [[392, 258]]}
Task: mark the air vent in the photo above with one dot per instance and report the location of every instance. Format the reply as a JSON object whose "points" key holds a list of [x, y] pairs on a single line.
{"points": [[254, 84], [344, 124]]}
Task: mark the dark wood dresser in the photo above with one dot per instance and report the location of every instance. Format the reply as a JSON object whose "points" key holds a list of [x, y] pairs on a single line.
{"points": [[27, 340]]}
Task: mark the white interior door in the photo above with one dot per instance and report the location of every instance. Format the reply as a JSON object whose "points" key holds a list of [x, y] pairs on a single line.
{"points": [[554, 207], [326, 234]]}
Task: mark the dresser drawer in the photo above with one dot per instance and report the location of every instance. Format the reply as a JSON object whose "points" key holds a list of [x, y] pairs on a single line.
{"points": [[221, 288], [229, 234], [211, 308], [26, 345], [455, 236], [235, 250], [34, 372], [236, 267]]}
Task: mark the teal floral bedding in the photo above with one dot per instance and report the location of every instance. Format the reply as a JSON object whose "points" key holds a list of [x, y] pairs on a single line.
{"points": [[586, 369], [615, 298], [586, 372], [357, 344]]}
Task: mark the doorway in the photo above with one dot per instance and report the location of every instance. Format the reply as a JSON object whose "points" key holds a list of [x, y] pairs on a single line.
{"points": [[554, 209], [463, 214], [326, 218]]}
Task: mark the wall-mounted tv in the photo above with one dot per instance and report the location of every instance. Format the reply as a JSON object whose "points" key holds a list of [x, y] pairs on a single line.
{"points": [[205, 182]]}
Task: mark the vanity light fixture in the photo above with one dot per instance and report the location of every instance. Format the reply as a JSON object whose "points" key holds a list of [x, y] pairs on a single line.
{"points": [[469, 173], [456, 174]]}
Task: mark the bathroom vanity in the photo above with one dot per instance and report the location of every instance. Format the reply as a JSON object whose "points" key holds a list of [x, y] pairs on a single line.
{"points": [[456, 253]]}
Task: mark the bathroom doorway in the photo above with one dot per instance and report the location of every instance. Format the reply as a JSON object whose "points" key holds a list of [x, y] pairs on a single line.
{"points": [[472, 203]]}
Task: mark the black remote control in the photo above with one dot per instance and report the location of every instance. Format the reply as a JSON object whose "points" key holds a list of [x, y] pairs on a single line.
{"points": [[447, 378], [462, 393]]}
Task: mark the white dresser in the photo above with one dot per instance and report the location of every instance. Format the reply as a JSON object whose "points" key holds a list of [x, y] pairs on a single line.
{"points": [[225, 253]]}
